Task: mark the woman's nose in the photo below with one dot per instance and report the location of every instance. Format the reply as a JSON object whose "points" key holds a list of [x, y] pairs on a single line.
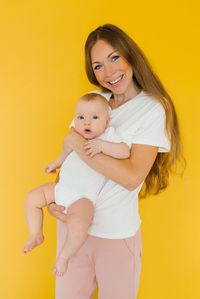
{"points": [[109, 71]]}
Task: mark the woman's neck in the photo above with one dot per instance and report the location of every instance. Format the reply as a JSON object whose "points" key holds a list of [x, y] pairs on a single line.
{"points": [[120, 99]]}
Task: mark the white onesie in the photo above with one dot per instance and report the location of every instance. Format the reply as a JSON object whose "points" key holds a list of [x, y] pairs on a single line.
{"points": [[77, 180]]}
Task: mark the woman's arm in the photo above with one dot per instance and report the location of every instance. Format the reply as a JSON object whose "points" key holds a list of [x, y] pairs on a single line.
{"points": [[129, 173]]}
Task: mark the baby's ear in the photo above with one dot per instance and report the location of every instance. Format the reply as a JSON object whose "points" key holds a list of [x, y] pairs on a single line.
{"points": [[107, 121]]}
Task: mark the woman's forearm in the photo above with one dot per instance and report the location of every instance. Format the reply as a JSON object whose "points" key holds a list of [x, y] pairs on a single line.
{"points": [[129, 173], [119, 171]]}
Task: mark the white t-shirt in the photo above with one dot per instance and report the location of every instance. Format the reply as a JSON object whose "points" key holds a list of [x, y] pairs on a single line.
{"points": [[116, 209], [78, 180]]}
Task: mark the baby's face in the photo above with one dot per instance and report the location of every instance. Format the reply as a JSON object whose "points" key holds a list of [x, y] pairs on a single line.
{"points": [[91, 118]]}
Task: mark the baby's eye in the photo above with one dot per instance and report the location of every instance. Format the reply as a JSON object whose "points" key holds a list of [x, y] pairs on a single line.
{"points": [[115, 57], [81, 117], [95, 117], [97, 67]]}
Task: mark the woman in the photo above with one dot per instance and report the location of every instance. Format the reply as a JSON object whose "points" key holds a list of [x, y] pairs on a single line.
{"points": [[111, 255]]}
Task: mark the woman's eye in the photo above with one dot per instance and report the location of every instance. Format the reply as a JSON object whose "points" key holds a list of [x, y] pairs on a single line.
{"points": [[81, 117], [97, 67], [95, 117], [114, 58]]}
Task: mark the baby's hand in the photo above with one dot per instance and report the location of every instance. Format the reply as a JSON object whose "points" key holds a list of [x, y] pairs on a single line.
{"points": [[50, 168], [93, 147]]}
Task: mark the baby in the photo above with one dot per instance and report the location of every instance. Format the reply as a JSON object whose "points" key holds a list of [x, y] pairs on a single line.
{"points": [[77, 181]]}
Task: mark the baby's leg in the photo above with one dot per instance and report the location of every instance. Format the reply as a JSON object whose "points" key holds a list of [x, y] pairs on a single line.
{"points": [[79, 217], [37, 199]]}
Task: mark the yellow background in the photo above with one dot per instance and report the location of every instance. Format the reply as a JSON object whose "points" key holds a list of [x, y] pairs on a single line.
{"points": [[41, 77]]}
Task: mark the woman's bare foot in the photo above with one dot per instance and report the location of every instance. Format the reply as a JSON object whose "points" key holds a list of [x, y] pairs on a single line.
{"points": [[60, 266], [32, 242]]}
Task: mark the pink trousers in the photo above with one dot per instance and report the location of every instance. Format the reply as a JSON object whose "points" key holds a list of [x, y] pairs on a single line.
{"points": [[112, 264]]}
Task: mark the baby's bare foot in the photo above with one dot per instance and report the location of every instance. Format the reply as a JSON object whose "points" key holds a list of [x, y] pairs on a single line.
{"points": [[32, 242], [60, 266]]}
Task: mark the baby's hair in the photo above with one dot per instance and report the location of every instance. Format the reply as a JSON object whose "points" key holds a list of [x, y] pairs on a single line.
{"points": [[96, 97]]}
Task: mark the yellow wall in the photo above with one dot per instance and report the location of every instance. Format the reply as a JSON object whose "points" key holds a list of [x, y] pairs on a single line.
{"points": [[41, 76]]}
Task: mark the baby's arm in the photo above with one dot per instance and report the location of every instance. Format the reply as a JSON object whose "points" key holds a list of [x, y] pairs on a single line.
{"points": [[51, 167], [113, 149]]}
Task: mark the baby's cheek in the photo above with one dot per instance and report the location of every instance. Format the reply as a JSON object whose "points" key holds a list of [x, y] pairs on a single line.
{"points": [[78, 128]]}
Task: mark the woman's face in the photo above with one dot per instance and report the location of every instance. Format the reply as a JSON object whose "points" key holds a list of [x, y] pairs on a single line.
{"points": [[111, 69]]}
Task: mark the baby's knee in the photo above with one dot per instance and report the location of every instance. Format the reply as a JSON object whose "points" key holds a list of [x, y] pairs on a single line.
{"points": [[30, 195], [33, 195]]}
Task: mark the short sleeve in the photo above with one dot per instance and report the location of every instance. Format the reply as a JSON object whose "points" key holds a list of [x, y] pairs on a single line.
{"points": [[152, 131], [72, 124]]}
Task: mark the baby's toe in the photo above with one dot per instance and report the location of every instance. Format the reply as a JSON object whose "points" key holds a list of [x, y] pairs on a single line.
{"points": [[25, 250], [54, 271]]}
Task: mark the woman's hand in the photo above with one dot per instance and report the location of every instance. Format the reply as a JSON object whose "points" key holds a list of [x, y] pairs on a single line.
{"points": [[56, 211]]}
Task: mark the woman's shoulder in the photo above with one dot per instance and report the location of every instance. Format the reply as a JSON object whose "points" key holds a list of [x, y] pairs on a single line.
{"points": [[151, 103]]}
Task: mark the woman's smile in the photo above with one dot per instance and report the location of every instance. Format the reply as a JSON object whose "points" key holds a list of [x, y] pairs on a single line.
{"points": [[115, 82]]}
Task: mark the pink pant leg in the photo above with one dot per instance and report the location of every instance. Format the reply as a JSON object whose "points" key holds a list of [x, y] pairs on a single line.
{"points": [[118, 267], [79, 281], [112, 263]]}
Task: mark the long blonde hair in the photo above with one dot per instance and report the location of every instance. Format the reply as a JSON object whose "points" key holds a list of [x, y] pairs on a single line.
{"points": [[146, 79]]}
